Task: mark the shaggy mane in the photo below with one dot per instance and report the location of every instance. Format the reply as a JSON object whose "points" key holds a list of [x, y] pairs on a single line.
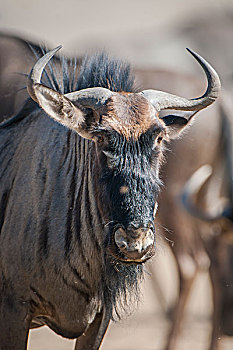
{"points": [[98, 70]]}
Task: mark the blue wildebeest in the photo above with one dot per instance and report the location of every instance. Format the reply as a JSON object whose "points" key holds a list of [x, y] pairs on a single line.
{"points": [[214, 182], [79, 184]]}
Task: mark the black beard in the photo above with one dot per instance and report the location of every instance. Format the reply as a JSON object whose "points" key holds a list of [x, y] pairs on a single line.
{"points": [[122, 287]]}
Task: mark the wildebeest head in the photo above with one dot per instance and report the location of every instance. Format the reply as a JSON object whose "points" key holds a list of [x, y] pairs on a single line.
{"points": [[128, 136]]}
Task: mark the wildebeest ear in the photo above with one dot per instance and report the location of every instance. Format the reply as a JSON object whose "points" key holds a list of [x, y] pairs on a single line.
{"points": [[61, 109], [175, 124]]}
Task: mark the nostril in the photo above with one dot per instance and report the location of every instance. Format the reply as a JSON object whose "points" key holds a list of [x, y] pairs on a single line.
{"points": [[151, 226], [121, 243], [148, 240], [120, 239], [150, 232]]}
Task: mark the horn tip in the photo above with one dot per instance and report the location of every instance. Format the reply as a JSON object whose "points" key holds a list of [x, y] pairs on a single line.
{"points": [[192, 52], [57, 48]]}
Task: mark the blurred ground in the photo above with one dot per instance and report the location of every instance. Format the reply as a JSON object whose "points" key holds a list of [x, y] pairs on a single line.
{"points": [[149, 33]]}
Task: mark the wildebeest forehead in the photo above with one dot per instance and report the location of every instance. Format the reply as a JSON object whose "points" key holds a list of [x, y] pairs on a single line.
{"points": [[129, 114]]}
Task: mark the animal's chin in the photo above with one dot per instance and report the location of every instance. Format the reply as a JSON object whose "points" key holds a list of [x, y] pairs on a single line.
{"points": [[115, 252]]}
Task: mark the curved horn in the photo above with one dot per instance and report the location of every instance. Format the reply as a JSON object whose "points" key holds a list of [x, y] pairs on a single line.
{"points": [[91, 97], [192, 187], [37, 70], [163, 100]]}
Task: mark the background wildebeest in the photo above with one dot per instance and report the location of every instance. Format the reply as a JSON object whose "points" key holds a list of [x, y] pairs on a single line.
{"points": [[16, 60], [78, 202], [215, 214]]}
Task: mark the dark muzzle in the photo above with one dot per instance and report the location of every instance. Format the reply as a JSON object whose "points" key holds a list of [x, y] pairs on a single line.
{"points": [[134, 245]]}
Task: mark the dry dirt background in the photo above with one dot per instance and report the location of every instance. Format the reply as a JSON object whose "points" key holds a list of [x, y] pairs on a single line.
{"points": [[147, 33]]}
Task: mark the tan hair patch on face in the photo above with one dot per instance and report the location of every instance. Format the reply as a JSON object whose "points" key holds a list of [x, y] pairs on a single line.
{"points": [[124, 189]]}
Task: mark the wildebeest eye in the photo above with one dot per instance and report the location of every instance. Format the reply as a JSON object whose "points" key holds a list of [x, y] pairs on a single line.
{"points": [[159, 139]]}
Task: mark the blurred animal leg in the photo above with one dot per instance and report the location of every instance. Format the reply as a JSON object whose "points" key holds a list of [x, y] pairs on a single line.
{"points": [[186, 282], [93, 337], [216, 297]]}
